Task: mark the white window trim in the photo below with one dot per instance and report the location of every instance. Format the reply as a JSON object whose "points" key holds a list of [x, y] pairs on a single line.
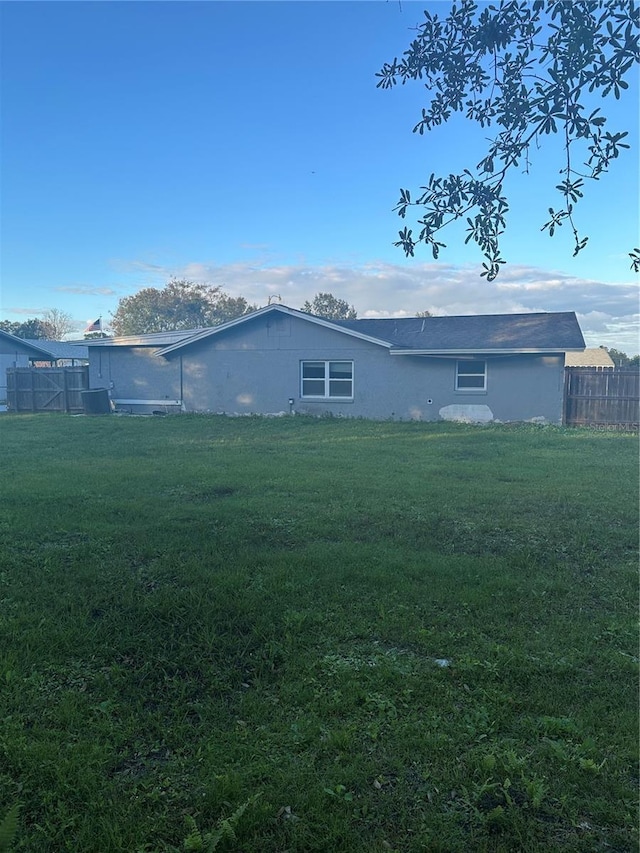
{"points": [[460, 372], [326, 395]]}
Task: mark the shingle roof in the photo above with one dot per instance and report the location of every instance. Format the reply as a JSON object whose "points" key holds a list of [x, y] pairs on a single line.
{"points": [[44, 350], [594, 357], [36, 347], [546, 332], [60, 349], [479, 332]]}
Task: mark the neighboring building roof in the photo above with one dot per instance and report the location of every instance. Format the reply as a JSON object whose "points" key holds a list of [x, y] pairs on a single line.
{"points": [[43, 350], [60, 349], [22, 345], [592, 357]]}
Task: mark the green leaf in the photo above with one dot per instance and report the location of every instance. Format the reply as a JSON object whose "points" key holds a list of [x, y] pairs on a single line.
{"points": [[9, 828]]}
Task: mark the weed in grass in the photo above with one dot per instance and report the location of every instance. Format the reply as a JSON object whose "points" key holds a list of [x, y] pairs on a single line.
{"points": [[9, 828], [225, 831]]}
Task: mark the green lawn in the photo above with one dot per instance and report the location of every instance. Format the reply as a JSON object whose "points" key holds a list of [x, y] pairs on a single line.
{"points": [[317, 635]]}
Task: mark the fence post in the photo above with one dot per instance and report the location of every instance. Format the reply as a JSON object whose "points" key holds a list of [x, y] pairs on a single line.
{"points": [[565, 395]]}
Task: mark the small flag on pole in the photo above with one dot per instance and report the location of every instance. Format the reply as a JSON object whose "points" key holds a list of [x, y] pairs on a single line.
{"points": [[96, 326]]}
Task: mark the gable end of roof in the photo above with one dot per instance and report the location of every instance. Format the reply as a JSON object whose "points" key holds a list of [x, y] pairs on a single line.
{"points": [[271, 309]]}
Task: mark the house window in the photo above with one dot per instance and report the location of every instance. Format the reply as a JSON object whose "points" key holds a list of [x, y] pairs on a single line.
{"points": [[327, 380], [471, 376]]}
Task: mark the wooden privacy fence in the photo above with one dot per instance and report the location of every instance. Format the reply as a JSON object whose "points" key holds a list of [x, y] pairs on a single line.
{"points": [[46, 389], [602, 398]]}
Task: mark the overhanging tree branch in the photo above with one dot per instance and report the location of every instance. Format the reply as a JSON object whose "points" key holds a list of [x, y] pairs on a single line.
{"points": [[528, 68]]}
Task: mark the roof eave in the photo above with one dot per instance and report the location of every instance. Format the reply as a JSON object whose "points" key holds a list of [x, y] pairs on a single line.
{"points": [[130, 340], [26, 344], [487, 351]]}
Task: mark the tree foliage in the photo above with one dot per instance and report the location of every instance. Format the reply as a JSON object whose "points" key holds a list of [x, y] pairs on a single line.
{"points": [[329, 307], [530, 70], [33, 328], [621, 359], [180, 304], [52, 326]]}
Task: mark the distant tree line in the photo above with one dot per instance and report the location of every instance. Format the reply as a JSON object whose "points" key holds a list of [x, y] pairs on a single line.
{"points": [[52, 326], [29, 329], [180, 305], [621, 359], [184, 304]]}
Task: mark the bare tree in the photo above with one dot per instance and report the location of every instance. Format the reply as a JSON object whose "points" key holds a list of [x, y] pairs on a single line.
{"points": [[57, 324]]}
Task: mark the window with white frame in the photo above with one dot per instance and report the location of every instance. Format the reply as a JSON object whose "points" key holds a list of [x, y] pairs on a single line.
{"points": [[327, 380], [471, 375]]}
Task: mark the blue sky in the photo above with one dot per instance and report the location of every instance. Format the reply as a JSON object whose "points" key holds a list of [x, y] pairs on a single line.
{"points": [[245, 144]]}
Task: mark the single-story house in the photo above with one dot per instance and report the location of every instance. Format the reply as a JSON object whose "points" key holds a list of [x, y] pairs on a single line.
{"points": [[595, 357], [499, 367], [21, 352]]}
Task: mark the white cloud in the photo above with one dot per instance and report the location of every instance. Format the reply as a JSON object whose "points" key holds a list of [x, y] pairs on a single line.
{"points": [[137, 266], [26, 312], [88, 291]]}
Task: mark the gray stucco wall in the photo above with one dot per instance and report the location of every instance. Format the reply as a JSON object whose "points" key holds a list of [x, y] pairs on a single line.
{"points": [[255, 368], [134, 373]]}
